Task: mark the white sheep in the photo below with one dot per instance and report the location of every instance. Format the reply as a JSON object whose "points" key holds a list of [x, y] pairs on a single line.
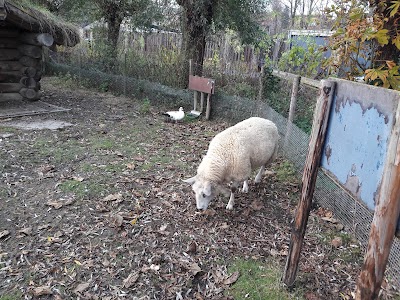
{"points": [[231, 156]]}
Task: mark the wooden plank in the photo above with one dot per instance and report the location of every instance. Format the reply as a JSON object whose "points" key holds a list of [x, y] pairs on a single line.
{"points": [[10, 87], [311, 82], [11, 65], [384, 223], [290, 76], [9, 54], [8, 32], [10, 97], [30, 50], [321, 116], [201, 84], [8, 43], [284, 75], [10, 76]]}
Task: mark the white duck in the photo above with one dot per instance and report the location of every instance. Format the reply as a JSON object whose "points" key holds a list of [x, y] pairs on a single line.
{"points": [[175, 115]]}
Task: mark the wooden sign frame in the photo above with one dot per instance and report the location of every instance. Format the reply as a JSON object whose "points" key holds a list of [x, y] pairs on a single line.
{"points": [[387, 207]]}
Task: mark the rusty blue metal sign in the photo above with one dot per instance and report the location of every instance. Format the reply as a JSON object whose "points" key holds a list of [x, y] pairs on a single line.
{"points": [[359, 128]]}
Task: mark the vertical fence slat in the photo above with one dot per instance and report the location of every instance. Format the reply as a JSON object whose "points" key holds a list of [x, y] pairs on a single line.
{"points": [[292, 108]]}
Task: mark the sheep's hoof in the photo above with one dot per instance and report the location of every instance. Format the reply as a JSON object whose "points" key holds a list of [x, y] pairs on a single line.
{"points": [[257, 180], [229, 206], [245, 189]]}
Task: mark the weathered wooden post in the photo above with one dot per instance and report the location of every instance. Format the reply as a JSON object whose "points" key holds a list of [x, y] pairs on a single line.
{"points": [[260, 89], [383, 227], [125, 75], [191, 72], [292, 108], [321, 115]]}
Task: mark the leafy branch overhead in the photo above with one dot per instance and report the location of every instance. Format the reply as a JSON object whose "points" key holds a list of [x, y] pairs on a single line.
{"points": [[367, 41]]}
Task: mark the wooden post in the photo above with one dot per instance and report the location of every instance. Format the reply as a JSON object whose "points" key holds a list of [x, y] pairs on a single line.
{"points": [[80, 65], [260, 90], [292, 108], [201, 102], [191, 72], [125, 68], [384, 223], [321, 115], [208, 109]]}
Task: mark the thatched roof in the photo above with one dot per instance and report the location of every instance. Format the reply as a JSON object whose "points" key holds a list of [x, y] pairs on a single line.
{"points": [[13, 14]]}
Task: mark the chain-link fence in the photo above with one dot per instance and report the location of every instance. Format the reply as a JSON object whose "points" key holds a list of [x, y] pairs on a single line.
{"points": [[268, 96]]}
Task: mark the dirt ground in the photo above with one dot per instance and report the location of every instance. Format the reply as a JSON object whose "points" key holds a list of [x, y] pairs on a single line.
{"points": [[98, 210]]}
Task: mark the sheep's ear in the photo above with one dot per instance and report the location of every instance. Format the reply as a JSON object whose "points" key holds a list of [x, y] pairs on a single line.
{"points": [[207, 188], [190, 180]]}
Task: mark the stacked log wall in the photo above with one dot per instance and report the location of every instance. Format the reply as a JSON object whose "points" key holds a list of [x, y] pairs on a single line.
{"points": [[21, 63]]}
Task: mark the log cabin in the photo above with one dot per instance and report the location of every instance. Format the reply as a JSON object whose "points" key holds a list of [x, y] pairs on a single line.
{"points": [[24, 34]]}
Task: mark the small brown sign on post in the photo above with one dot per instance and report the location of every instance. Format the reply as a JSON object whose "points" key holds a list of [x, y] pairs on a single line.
{"points": [[202, 85]]}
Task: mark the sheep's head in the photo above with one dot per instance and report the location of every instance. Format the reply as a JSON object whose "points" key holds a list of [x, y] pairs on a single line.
{"points": [[204, 192]]}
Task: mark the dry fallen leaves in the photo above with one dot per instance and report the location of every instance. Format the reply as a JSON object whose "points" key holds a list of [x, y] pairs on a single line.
{"points": [[116, 220], [26, 231], [60, 203], [131, 279], [194, 268], [81, 287], [117, 198], [337, 242], [232, 278], [4, 233], [41, 290]]}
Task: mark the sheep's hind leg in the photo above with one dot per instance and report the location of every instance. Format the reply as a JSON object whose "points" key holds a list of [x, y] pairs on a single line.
{"points": [[245, 188], [259, 175], [232, 197]]}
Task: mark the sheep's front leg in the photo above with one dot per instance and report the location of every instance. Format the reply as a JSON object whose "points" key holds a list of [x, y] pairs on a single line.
{"points": [[232, 197], [259, 175]]}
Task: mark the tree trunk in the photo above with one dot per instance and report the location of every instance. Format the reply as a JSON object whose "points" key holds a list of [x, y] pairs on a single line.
{"points": [[114, 20], [194, 30]]}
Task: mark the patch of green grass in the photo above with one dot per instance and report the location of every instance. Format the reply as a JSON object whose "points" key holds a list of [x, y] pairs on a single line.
{"points": [[85, 189], [60, 152], [6, 129], [73, 186], [287, 172], [115, 167], [349, 254], [11, 297], [258, 281], [145, 106], [102, 143]]}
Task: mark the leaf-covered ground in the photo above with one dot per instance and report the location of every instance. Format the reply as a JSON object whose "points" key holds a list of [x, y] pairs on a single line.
{"points": [[98, 210]]}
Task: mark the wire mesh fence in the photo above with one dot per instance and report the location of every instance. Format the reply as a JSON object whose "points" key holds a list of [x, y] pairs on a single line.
{"points": [[266, 96]]}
